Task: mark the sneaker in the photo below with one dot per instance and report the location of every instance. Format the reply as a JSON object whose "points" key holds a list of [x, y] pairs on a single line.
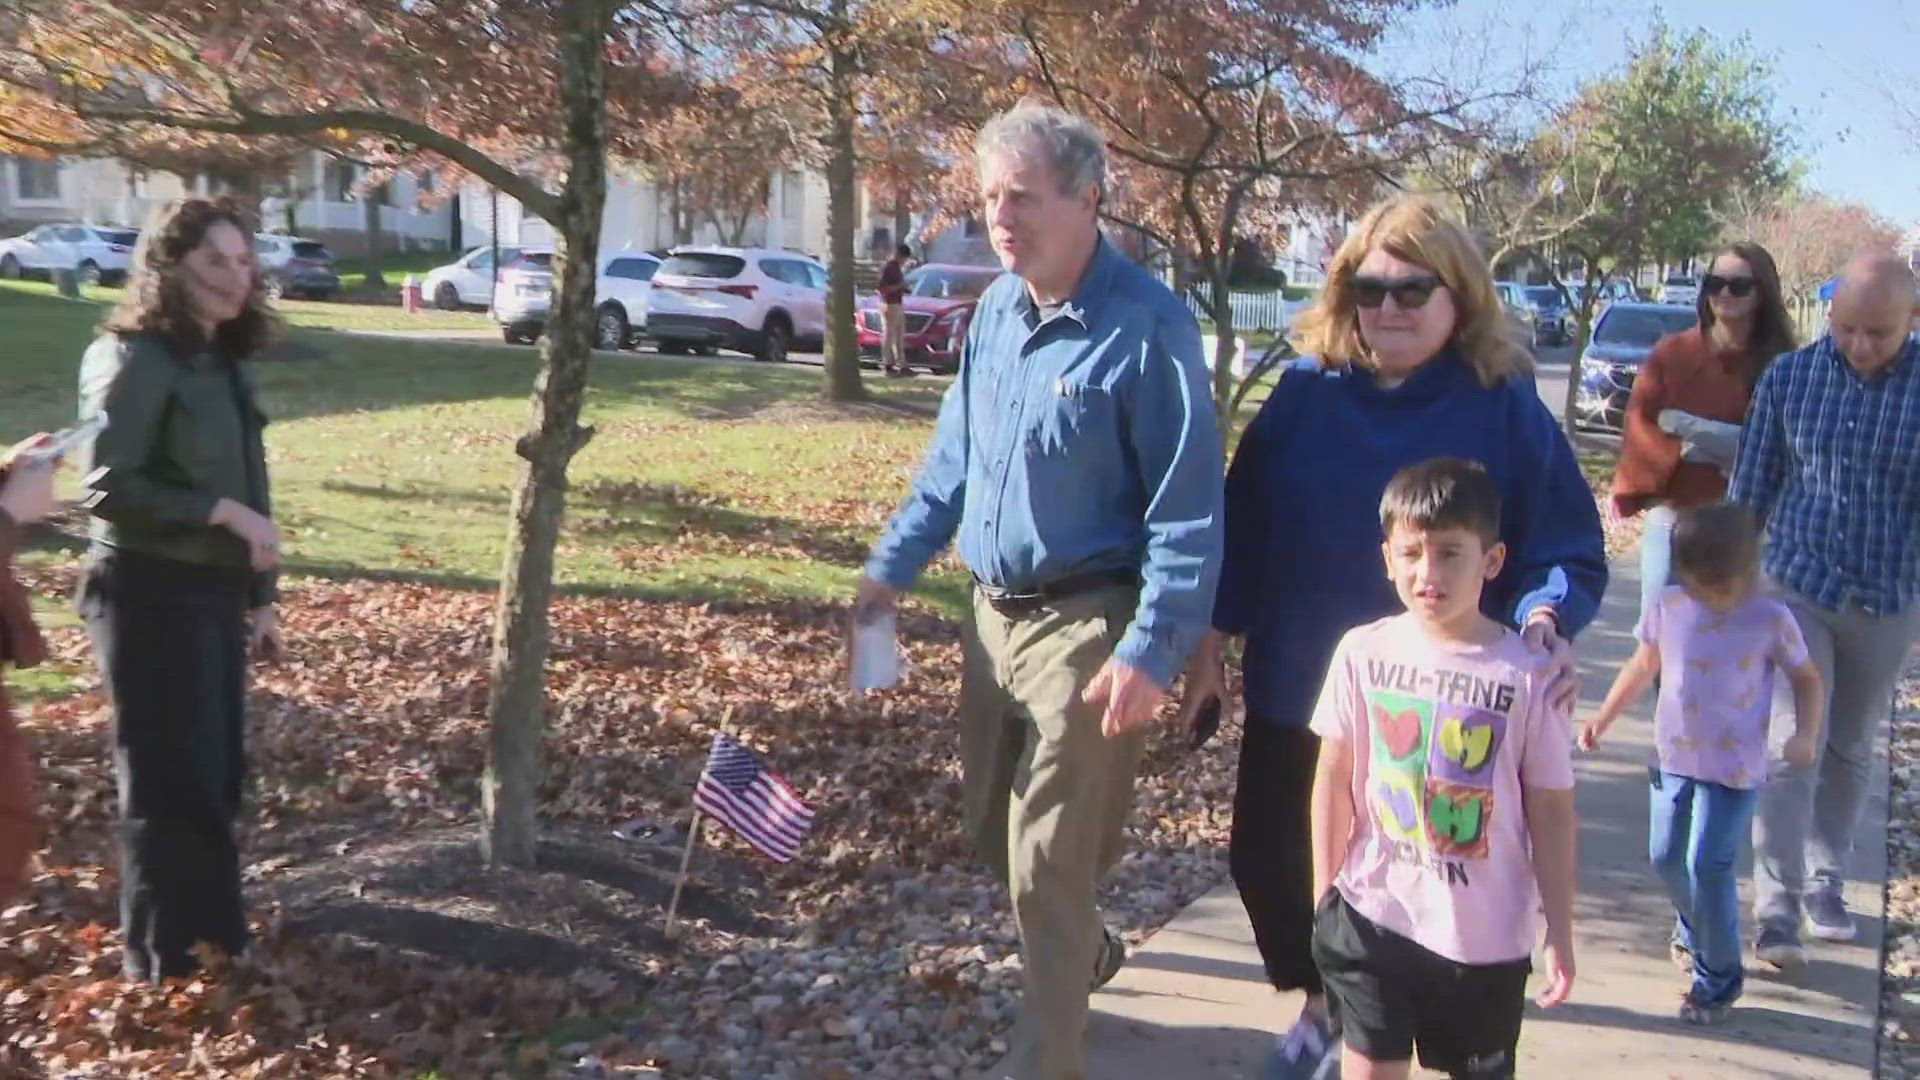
{"points": [[1827, 915], [1113, 953], [1306, 1052], [1780, 946], [1693, 1011]]}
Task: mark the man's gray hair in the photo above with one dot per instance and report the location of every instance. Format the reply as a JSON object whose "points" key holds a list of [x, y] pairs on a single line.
{"points": [[1034, 130]]}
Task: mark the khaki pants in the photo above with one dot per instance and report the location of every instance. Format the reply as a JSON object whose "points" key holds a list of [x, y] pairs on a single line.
{"points": [[893, 337], [1047, 798]]}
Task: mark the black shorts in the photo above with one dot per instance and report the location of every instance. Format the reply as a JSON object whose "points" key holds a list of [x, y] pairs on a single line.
{"points": [[1391, 995]]}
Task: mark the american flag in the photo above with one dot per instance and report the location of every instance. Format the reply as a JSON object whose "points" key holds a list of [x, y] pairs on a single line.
{"points": [[751, 801]]}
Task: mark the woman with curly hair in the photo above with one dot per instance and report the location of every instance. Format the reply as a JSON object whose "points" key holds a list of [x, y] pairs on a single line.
{"points": [[180, 575]]}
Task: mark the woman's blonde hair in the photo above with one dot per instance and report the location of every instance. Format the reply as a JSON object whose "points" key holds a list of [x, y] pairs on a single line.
{"points": [[1414, 228]]}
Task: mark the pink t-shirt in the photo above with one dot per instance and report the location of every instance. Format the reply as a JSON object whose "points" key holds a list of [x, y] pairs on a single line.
{"points": [[1716, 683], [1445, 737]]}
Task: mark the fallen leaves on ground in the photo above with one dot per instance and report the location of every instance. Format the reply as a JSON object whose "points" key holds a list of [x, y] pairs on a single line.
{"points": [[373, 730]]}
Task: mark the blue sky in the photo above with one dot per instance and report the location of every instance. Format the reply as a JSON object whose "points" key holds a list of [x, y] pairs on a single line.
{"points": [[1831, 61]]}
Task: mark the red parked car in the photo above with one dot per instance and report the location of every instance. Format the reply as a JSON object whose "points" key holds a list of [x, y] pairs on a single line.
{"points": [[939, 304]]}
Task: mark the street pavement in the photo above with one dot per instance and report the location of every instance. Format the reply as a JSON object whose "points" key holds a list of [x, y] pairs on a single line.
{"points": [[1193, 1001]]}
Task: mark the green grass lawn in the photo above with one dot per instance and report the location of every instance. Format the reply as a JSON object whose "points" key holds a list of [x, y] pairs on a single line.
{"points": [[394, 266], [395, 459], [303, 314]]}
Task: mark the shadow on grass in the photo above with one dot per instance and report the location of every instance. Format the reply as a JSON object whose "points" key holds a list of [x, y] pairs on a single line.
{"points": [[642, 512], [320, 373]]}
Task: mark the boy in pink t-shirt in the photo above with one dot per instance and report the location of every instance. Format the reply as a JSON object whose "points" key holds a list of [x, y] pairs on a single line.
{"points": [[1715, 643], [1442, 803]]}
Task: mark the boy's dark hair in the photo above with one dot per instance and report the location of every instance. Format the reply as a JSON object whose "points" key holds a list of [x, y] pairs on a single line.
{"points": [[1443, 493], [1716, 545], [903, 252]]}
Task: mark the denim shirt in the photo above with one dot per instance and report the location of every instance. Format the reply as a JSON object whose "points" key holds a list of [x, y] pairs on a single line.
{"points": [[1081, 442]]}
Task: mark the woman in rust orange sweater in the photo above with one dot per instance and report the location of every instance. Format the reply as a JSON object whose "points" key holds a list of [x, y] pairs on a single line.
{"points": [[1688, 402]]}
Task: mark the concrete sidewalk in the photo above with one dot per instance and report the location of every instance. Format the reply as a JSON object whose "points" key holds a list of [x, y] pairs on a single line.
{"points": [[1193, 1001]]}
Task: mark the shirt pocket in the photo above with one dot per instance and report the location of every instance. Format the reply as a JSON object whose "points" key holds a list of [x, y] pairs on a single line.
{"points": [[1068, 411]]}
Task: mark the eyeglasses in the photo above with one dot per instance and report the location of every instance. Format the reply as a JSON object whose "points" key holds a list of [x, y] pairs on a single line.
{"points": [[1408, 292], [1736, 286]]}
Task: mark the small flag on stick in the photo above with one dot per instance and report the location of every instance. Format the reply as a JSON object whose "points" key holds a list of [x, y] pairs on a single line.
{"points": [[744, 796], [759, 806]]}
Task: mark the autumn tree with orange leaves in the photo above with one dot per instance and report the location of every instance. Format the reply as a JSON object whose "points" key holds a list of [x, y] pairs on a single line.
{"points": [[515, 93], [1224, 120]]}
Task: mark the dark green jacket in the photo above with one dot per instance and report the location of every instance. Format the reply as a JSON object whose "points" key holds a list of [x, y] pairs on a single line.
{"points": [[183, 432]]}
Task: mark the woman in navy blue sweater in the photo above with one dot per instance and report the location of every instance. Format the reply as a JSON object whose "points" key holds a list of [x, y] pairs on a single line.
{"points": [[1410, 356]]}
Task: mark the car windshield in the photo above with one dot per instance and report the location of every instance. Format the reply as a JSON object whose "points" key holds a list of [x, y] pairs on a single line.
{"points": [[124, 237], [1680, 280], [1544, 295], [1641, 327], [950, 284], [706, 264], [313, 250]]}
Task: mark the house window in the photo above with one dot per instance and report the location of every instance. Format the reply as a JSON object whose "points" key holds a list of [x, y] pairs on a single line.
{"points": [[36, 180], [338, 180]]}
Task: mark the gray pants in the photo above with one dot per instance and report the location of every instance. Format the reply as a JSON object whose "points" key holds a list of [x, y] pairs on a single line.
{"points": [[1806, 818]]}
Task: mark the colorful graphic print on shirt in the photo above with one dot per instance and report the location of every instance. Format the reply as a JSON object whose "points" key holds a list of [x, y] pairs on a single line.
{"points": [[1434, 751]]}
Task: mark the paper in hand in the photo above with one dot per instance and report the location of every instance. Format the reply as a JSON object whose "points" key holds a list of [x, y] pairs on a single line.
{"points": [[875, 663], [65, 440]]}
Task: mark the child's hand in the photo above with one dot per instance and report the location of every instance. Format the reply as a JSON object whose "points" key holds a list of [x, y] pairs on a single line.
{"points": [[1590, 735], [1559, 958], [1799, 751]]}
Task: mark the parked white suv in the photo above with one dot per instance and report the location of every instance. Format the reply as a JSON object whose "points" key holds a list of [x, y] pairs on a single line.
{"points": [[97, 253], [1680, 289], [620, 302], [757, 300], [467, 281]]}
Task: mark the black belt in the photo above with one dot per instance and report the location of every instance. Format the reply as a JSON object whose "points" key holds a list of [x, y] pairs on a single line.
{"points": [[1017, 602]]}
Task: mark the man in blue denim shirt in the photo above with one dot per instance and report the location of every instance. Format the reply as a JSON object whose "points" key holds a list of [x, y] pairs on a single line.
{"points": [[1077, 461]]}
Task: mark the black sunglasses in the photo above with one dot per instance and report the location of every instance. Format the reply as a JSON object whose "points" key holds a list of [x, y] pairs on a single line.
{"points": [[1735, 286], [1408, 292]]}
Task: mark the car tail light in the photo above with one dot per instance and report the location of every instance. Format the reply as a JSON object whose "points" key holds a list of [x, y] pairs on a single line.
{"points": [[744, 292]]}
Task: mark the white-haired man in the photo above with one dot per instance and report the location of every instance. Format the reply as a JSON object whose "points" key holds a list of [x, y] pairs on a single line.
{"points": [[1077, 462]]}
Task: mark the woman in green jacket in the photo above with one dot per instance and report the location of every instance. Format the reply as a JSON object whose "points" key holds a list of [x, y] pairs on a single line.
{"points": [[179, 584]]}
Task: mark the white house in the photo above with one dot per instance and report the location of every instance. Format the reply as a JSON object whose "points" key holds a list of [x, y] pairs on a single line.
{"points": [[103, 191], [639, 217]]}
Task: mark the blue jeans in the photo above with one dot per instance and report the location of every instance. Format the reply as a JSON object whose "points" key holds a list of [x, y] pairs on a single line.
{"points": [[1695, 835], [1656, 554]]}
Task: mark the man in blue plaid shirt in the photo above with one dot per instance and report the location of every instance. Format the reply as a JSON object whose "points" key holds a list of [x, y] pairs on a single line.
{"points": [[1830, 461]]}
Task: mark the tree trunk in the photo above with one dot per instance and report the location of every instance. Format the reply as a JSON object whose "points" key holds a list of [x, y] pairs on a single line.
{"points": [[1583, 330], [516, 706], [244, 189], [902, 217], [370, 204], [1220, 310], [842, 352]]}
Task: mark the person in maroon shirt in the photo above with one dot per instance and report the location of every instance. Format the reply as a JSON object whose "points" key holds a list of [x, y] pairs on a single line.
{"points": [[1689, 399], [893, 316]]}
